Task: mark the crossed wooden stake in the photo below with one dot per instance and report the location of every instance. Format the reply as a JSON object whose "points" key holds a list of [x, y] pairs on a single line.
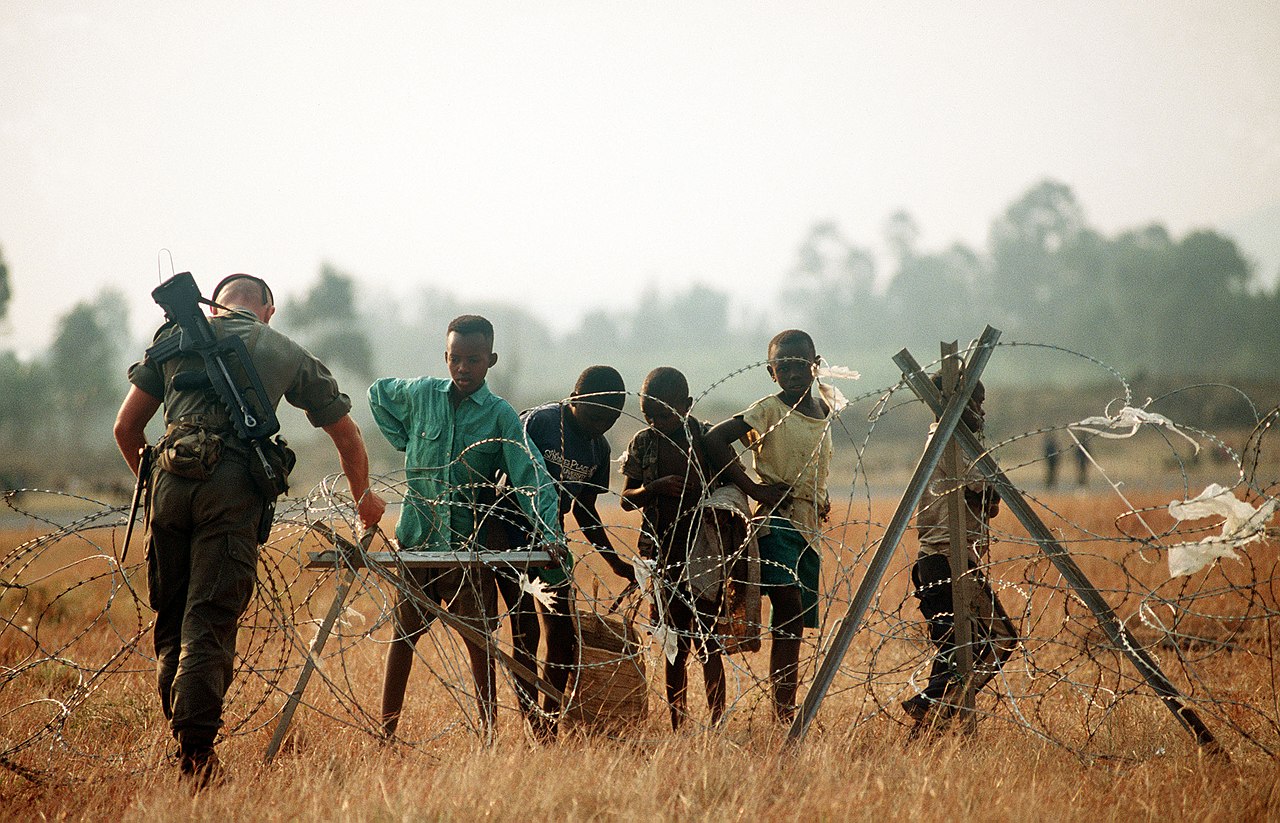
{"points": [[348, 557]]}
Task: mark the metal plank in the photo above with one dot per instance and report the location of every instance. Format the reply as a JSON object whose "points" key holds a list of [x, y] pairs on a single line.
{"points": [[429, 560]]}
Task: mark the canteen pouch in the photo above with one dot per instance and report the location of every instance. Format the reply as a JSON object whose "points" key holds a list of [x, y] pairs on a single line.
{"points": [[281, 459], [189, 451]]}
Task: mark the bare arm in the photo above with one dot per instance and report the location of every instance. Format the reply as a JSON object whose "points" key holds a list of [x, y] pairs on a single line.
{"points": [[131, 422], [719, 451], [355, 465], [588, 518], [637, 495]]}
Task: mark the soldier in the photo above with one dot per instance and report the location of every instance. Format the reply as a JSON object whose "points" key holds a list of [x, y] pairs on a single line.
{"points": [[206, 526]]}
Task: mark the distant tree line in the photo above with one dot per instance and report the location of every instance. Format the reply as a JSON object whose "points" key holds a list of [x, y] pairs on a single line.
{"points": [[1145, 302], [1142, 301]]}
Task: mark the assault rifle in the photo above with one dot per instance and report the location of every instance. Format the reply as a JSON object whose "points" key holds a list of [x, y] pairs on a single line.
{"points": [[228, 370]]}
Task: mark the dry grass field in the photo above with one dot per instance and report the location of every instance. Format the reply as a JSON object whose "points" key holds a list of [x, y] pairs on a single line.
{"points": [[1071, 736]]}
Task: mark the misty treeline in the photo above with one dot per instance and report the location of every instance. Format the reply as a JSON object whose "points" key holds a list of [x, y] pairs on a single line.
{"points": [[1145, 302]]}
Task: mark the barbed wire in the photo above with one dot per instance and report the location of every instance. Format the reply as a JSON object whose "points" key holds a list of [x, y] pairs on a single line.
{"points": [[76, 668]]}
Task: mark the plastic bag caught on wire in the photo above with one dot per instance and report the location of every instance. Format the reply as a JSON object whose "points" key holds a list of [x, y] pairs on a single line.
{"points": [[1131, 419], [1242, 524]]}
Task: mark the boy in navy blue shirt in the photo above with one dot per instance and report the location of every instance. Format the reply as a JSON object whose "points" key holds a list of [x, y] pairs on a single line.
{"points": [[569, 435]]}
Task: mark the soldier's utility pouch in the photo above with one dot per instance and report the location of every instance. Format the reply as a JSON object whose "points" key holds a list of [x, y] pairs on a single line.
{"points": [[188, 450], [281, 459], [266, 521]]}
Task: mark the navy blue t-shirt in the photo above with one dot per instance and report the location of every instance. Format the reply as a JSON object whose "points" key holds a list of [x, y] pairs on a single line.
{"points": [[577, 463], [580, 464]]}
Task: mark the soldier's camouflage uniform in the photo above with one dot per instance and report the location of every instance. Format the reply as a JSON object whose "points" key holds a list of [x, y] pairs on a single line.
{"points": [[203, 552]]}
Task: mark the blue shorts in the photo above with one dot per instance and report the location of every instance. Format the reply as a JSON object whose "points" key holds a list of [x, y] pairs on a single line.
{"points": [[787, 559]]}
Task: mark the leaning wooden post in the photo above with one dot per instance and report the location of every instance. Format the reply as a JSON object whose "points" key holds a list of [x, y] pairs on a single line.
{"points": [[345, 579], [961, 623], [349, 557]]}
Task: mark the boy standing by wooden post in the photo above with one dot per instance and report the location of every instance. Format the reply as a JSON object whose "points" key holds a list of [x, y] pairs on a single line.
{"points": [[664, 479], [457, 436], [986, 625], [789, 435]]}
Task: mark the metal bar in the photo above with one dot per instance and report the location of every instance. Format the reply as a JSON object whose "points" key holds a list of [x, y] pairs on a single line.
{"points": [[852, 620], [317, 647], [429, 560], [1066, 565], [961, 627]]}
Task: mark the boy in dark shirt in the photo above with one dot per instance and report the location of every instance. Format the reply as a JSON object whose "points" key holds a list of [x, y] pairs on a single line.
{"points": [[994, 634], [570, 438], [664, 479]]}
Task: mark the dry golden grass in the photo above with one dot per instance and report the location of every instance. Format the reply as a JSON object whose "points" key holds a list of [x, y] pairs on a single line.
{"points": [[109, 760]]}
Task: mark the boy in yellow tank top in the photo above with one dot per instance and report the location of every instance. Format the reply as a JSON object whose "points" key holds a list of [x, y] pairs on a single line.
{"points": [[789, 436]]}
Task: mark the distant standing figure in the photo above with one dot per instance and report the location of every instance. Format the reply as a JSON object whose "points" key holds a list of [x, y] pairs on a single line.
{"points": [[1051, 457], [1082, 463]]}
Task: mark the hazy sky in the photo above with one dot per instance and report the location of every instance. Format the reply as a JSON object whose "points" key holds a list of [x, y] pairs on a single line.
{"points": [[567, 155]]}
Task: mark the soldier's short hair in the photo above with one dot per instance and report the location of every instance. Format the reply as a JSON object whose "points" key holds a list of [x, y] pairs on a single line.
{"points": [[248, 285]]}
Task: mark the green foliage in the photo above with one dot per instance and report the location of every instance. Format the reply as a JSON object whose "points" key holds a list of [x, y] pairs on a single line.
{"points": [[6, 291], [56, 411], [830, 285], [1153, 306], [1143, 301], [86, 353], [329, 324]]}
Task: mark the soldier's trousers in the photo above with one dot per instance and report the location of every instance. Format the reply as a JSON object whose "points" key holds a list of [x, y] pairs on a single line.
{"points": [[201, 570]]}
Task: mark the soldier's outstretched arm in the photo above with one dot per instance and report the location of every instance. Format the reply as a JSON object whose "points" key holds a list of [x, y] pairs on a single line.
{"points": [[346, 437], [131, 422]]}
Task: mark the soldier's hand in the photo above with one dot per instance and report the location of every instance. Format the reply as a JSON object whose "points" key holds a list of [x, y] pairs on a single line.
{"points": [[370, 507], [559, 552]]}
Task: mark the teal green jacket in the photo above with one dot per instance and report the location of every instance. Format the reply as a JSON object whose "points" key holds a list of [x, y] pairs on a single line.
{"points": [[452, 458]]}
